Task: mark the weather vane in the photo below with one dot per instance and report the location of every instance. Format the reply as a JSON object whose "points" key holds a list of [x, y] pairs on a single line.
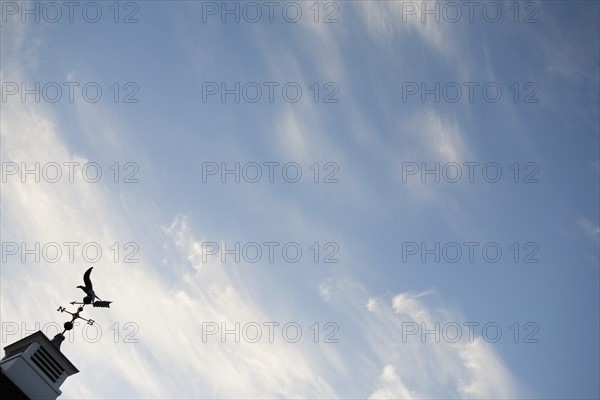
{"points": [[90, 298]]}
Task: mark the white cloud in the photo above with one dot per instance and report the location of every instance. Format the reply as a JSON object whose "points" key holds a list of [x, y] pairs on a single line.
{"points": [[391, 386], [437, 137], [371, 304], [393, 367], [325, 289], [436, 140], [423, 368], [486, 375], [417, 368], [390, 23], [295, 138], [590, 229]]}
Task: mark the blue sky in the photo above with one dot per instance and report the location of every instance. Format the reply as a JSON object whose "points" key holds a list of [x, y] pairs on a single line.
{"points": [[369, 218]]}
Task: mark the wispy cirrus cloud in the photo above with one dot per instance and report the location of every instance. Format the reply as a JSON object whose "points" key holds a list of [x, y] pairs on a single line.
{"points": [[591, 230], [402, 365], [389, 24], [421, 369]]}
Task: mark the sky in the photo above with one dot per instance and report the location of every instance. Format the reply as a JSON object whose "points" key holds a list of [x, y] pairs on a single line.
{"points": [[351, 199]]}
